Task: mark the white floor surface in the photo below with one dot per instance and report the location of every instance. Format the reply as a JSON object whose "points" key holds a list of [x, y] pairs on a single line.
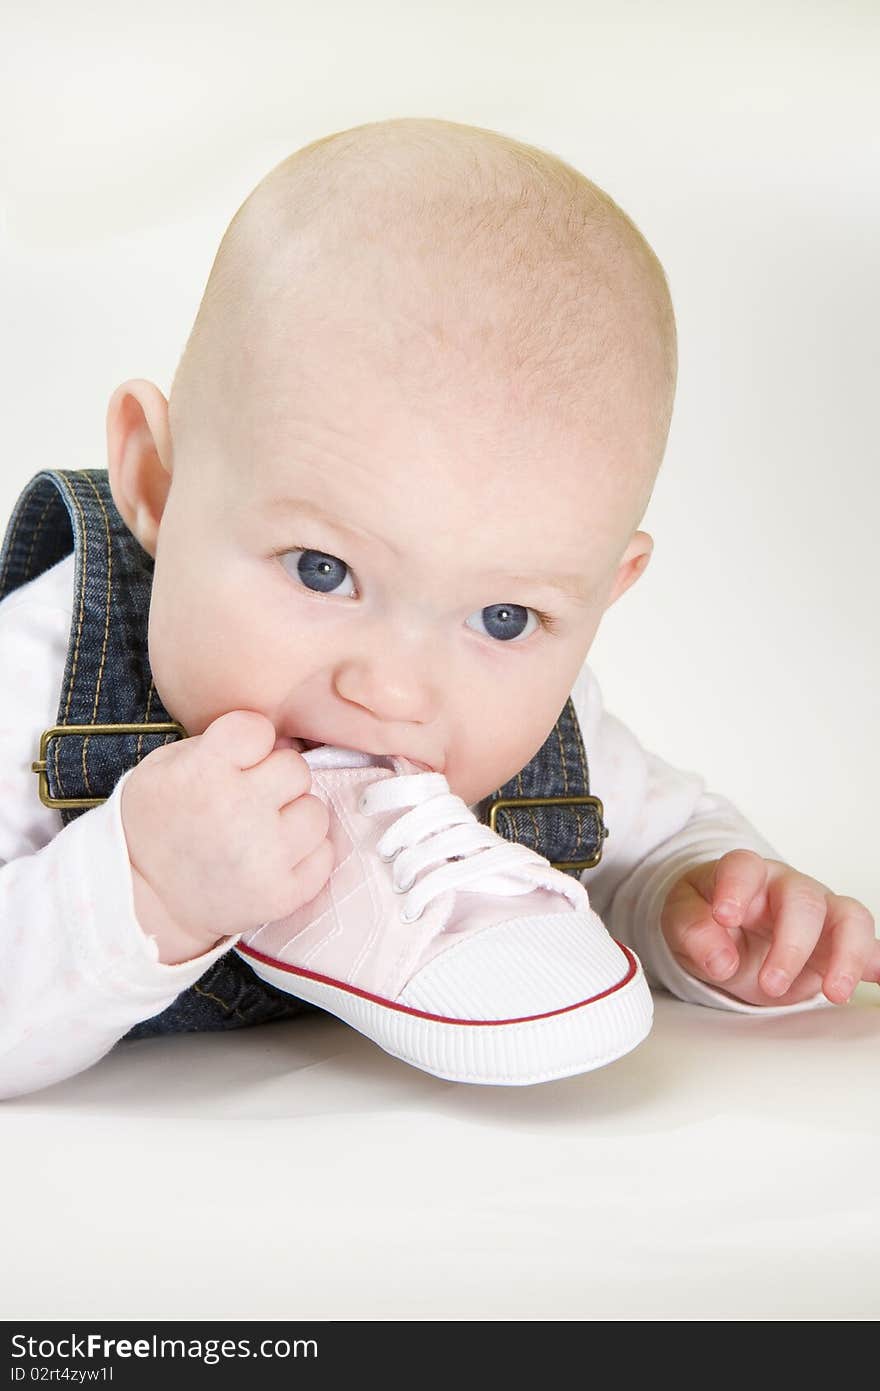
{"points": [[728, 1168]]}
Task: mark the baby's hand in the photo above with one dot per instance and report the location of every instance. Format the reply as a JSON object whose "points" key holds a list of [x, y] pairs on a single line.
{"points": [[766, 934], [222, 834]]}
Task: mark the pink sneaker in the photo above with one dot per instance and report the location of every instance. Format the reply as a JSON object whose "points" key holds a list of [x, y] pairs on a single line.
{"points": [[460, 952]]}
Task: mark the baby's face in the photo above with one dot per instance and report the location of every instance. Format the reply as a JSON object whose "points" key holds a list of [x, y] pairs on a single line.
{"points": [[397, 575]]}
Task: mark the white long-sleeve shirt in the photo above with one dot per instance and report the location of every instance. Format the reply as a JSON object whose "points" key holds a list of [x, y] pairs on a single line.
{"points": [[76, 969]]}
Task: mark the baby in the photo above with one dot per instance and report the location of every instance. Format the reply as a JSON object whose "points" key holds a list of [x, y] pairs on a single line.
{"points": [[395, 487]]}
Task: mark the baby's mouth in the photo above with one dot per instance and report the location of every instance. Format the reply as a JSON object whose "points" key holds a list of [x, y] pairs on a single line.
{"points": [[285, 741]]}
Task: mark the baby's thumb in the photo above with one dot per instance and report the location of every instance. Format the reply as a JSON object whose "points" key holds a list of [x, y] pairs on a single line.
{"points": [[243, 737]]}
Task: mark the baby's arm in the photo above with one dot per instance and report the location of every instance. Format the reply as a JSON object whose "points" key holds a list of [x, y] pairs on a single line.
{"points": [[662, 822], [76, 969]]}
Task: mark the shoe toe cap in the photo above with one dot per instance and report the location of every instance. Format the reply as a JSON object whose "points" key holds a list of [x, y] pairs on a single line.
{"points": [[521, 968]]}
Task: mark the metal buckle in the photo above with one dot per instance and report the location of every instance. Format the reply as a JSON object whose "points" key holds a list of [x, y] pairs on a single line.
{"points": [[556, 802], [59, 730]]}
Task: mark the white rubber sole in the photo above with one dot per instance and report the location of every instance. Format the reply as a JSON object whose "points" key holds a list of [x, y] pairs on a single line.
{"points": [[507, 1052]]}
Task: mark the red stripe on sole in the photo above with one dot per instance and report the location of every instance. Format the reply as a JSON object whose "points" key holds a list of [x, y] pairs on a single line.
{"points": [[439, 1018]]}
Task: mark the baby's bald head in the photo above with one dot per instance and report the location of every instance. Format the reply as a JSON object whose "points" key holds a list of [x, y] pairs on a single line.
{"points": [[474, 276]]}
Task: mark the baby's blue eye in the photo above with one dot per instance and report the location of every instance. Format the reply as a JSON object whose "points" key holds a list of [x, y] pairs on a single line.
{"points": [[319, 571], [323, 573], [505, 621]]}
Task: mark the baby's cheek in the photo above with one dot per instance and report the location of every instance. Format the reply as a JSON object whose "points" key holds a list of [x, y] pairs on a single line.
{"points": [[177, 650], [511, 740], [475, 774]]}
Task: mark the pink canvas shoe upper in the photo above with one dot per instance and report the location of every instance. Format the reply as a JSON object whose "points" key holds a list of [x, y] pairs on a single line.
{"points": [[415, 875]]}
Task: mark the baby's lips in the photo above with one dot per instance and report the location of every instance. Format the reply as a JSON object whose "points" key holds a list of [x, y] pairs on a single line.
{"points": [[286, 741]]}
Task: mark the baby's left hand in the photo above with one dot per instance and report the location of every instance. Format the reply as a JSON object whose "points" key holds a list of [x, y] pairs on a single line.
{"points": [[786, 934]]}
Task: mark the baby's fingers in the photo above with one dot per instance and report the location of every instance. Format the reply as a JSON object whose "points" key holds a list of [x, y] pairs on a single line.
{"points": [[872, 965], [700, 944], [798, 912], [854, 953]]}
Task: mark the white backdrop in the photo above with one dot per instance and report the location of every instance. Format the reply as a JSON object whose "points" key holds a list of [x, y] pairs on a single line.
{"points": [[742, 138]]}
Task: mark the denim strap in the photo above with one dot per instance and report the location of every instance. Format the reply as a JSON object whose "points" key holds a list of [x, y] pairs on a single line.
{"points": [[570, 836], [107, 677]]}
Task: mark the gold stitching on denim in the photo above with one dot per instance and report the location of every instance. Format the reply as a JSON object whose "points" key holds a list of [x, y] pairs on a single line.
{"points": [[21, 513], [35, 537], [107, 594], [558, 733], [91, 482], [531, 811], [230, 1009], [146, 718], [582, 753], [10, 544], [585, 767], [561, 742], [71, 492]]}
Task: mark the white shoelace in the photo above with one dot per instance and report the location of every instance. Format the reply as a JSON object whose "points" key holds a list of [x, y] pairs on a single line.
{"points": [[441, 826]]}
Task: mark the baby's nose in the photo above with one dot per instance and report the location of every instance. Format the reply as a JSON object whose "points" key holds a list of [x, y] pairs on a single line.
{"points": [[396, 683]]}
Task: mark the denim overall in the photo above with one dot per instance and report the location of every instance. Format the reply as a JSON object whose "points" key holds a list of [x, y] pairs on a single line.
{"points": [[108, 689]]}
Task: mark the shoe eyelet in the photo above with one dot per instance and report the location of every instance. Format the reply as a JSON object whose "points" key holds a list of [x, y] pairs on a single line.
{"points": [[403, 888], [406, 917], [362, 806]]}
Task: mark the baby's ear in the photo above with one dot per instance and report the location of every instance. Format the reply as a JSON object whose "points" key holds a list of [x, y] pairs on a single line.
{"points": [[633, 563], [138, 443]]}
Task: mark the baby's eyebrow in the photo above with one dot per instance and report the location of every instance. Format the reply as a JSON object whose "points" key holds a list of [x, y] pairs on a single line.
{"points": [[571, 586], [286, 503]]}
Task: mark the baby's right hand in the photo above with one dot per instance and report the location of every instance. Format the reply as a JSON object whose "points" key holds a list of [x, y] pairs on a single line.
{"points": [[222, 834]]}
